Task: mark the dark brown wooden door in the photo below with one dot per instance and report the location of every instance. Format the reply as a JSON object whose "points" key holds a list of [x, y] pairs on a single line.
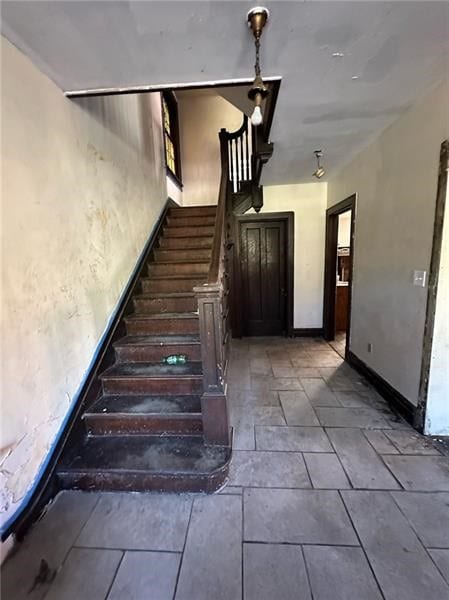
{"points": [[263, 267]]}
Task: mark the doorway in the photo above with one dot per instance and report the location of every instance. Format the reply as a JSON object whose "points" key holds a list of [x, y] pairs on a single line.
{"points": [[339, 255], [265, 263]]}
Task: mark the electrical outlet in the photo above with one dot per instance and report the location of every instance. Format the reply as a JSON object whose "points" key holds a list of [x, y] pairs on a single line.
{"points": [[420, 278], [370, 347]]}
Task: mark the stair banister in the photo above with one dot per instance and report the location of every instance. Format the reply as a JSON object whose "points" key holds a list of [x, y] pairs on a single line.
{"points": [[213, 320]]}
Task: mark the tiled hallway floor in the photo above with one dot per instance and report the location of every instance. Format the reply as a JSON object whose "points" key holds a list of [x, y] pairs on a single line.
{"points": [[331, 497]]}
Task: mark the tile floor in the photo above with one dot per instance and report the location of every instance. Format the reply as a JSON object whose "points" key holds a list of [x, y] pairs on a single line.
{"points": [[331, 496]]}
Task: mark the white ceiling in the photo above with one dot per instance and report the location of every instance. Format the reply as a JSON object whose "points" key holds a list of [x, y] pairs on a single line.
{"points": [[397, 50]]}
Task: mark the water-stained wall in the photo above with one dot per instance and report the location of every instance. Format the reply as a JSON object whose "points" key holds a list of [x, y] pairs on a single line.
{"points": [[83, 184]]}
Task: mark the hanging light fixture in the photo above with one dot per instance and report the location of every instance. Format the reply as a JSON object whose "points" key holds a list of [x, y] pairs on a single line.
{"points": [[257, 18], [320, 171]]}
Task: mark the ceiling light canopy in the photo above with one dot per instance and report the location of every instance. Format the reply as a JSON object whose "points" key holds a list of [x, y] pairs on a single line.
{"points": [[320, 171], [257, 18]]}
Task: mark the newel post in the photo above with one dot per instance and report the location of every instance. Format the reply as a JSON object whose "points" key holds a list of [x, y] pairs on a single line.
{"points": [[213, 400]]}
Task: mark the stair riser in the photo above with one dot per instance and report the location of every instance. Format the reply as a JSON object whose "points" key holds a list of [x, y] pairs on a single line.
{"points": [[142, 482], [191, 221], [164, 305], [185, 242], [152, 385], [143, 424], [182, 254], [188, 231], [170, 285], [155, 269], [193, 211], [130, 354], [162, 327]]}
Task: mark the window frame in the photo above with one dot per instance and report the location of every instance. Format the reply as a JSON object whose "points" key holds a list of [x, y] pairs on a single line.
{"points": [[172, 106]]}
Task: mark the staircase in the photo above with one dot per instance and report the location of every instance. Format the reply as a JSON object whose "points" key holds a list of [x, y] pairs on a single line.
{"points": [[145, 429]]}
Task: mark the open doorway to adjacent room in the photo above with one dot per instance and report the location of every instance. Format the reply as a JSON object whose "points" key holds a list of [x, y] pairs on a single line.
{"points": [[340, 230]]}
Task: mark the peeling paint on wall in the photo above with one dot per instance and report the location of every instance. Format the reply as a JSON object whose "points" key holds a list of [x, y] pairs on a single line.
{"points": [[83, 186]]}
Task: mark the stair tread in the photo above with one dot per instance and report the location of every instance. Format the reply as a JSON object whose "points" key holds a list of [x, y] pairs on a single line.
{"points": [[176, 276], [160, 316], [143, 453], [141, 369], [146, 405], [188, 261], [157, 340], [153, 295]]}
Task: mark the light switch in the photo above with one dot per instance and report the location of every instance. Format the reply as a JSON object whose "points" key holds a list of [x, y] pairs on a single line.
{"points": [[420, 278]]}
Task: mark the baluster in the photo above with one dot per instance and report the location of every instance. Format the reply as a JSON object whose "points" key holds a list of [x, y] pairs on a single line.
{"points": [[247, 152]]}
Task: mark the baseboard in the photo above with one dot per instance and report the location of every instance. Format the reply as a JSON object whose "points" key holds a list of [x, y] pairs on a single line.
{"points": [[46, 485], [387, 391], [308, 332]]}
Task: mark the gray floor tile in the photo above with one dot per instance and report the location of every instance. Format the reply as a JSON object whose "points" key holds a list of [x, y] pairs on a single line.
{"points": [[338, 382], [274, 571], [420, 473], [231, 489], [380, 442], [428, 514], [264, 382], [363, 466], [293, 439], [340, 573], [244, 436], [260, 366], [408, 442], [296, 516], [145, 575], [326, 471], [212, 563], [307, 372], [400, 563], [351, 399], [257, 415], [251, 398], [441, 559], [50, 539], [288, 372], [153, 522], [87, 573], [268, 469], [365, 418], [297, 408], [318, 392]]}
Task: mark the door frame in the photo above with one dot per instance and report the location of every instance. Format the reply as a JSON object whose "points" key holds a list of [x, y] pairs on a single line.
{"points": [[330, 272], [289, 219]]}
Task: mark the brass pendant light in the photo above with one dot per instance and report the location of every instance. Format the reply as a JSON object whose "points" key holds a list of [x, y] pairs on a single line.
{"points": [[257, 18]]}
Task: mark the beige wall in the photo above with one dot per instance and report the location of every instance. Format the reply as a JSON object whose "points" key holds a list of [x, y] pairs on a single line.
{"points": [[395, 180], [83, 183], [201, 118], [308, 202]]}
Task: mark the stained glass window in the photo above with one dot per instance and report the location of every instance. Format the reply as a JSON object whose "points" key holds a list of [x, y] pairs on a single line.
{"points": [[171, 135]]}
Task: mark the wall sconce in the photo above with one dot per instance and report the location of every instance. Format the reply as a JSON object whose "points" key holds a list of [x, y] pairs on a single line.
{"points": [[257, 18], [320, 171]]}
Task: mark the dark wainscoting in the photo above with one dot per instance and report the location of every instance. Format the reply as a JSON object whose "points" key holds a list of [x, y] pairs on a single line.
{"points": [[308, 332]]}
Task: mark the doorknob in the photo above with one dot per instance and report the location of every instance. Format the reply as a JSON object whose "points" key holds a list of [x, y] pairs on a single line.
{"points": [[283, 292]]}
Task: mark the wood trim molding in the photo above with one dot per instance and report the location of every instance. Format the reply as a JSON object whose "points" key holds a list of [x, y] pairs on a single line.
{"points": [[47, 486], [434, 270], [396, 400], [332, 214], [308, 332]]}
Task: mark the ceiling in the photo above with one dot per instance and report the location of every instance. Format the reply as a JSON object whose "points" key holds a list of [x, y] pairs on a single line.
{"points": [[348, 68]]}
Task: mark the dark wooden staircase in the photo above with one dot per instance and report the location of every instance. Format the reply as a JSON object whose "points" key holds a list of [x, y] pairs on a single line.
{"points": [[145, 429]]}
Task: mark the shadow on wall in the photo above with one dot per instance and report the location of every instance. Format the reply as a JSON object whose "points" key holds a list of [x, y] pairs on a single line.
{"points": [[113, 113]]}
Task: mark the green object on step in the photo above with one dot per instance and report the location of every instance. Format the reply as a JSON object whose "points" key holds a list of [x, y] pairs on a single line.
{"points": [[175, 359]]}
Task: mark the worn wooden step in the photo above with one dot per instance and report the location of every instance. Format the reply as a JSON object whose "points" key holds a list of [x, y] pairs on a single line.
{"points": [[159, 269], [175, 255], [171, 284], [152, 348], [193, 211], [162, 324], [154, 415], [186, 242], [163, 303], [145, 463], [152, 378], [190, 221], [201, 231]]}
